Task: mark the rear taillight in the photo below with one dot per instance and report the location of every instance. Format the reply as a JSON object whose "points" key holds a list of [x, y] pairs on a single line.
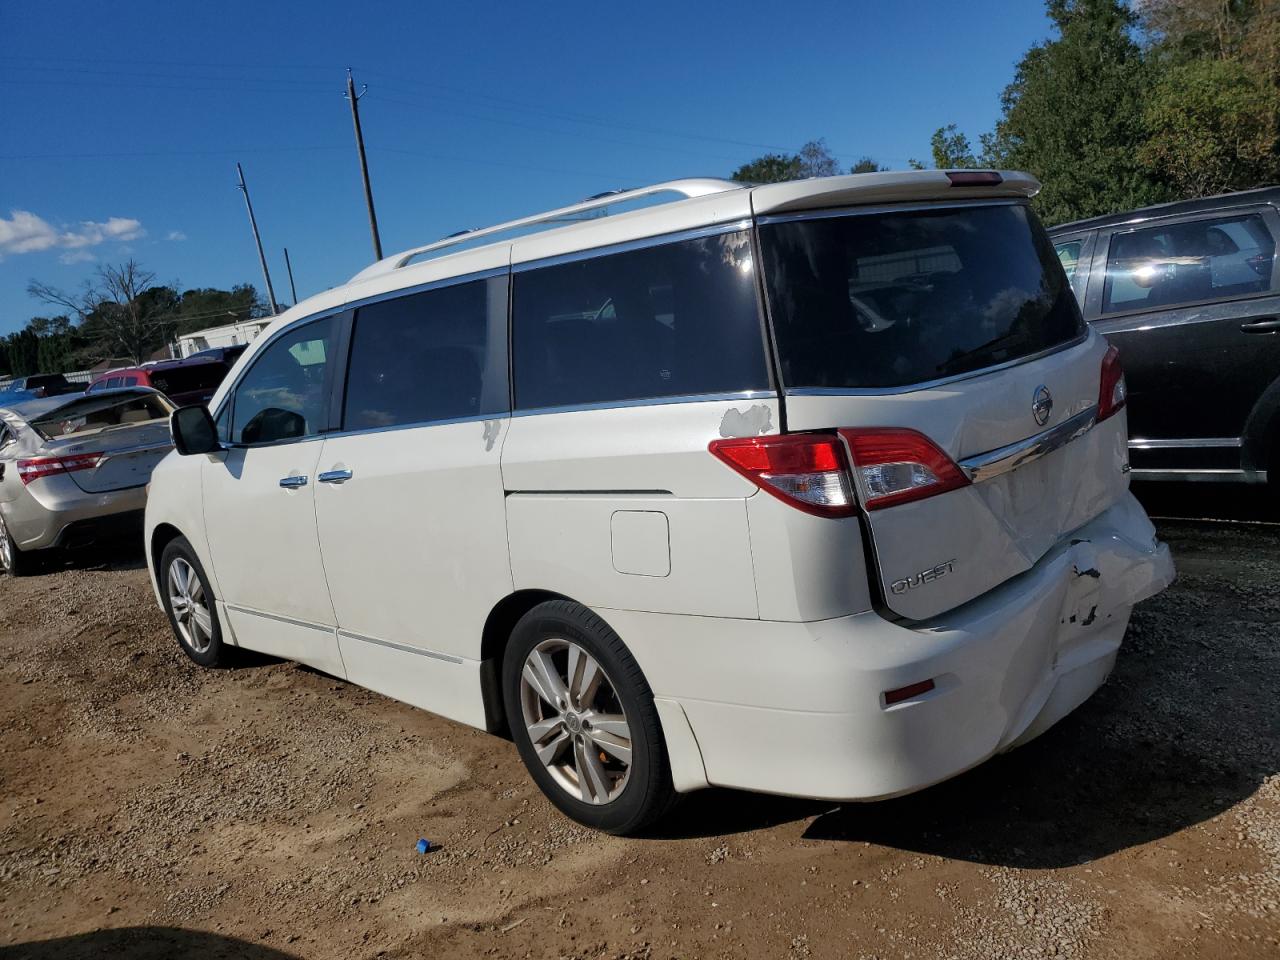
{"points": [[806, 470], [1111, 392], [974, 178], [37, 468], [894, 465]]}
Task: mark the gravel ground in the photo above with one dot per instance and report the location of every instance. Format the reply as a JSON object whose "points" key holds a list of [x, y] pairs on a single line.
{"points": [[151, 809]]}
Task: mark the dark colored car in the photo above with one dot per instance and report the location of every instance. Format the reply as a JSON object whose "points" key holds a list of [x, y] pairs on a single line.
{"points": [[42, 385], [1190, 293], [183, 381], [227, 355]]}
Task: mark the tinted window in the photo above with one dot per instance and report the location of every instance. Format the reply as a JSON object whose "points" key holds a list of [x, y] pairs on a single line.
{"points": [[438, 355], [203, 377], [1188, 262], [283, 395], [1069, 256], [90, 414], [672, 320], [892, 299], [113, 382]]}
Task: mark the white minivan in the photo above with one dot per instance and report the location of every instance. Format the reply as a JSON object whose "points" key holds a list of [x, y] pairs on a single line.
{"points": [[815, 488]]}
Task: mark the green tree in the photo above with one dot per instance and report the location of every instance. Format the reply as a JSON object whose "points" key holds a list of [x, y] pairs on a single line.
{"points": [[951, 149], [814, 159], [209, 307], [867, 165], [1075, 112]]}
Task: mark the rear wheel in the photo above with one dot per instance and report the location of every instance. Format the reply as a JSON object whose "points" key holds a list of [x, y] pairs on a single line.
{"points": [[583, 719], [188, 601], [12, 560]]}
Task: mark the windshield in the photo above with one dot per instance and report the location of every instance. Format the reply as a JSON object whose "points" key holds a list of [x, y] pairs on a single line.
{"points": [[899, 298], [93, 414]]}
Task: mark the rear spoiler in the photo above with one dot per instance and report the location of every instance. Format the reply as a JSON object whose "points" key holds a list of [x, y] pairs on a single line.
{"points": [[910, 186]]}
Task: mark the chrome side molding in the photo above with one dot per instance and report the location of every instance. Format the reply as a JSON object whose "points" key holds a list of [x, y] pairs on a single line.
{"points": [[993, 463]]}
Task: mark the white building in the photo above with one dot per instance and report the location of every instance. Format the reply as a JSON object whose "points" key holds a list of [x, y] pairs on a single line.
{"points": [[225, 336]]}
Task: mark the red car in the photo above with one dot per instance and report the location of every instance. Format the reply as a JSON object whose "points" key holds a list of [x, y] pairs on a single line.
{"points": [[182, 381]]}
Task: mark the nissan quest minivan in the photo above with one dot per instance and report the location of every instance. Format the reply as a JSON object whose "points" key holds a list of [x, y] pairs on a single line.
{"points": [[815, 488]]}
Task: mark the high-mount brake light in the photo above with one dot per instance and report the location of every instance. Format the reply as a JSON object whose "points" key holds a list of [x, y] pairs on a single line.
{"points": [[1112, 392], [974, 178], [893, 465], [805, 470], [37, 468]]}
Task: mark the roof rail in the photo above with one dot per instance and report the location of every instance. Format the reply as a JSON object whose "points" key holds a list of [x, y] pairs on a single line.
{"points": [[694, 187]]}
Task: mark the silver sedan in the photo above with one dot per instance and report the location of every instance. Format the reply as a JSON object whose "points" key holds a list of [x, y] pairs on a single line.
{"points": [[75, 468]]}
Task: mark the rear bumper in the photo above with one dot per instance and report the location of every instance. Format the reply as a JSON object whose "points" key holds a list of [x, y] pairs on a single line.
{"points": [[798, 709], [61, 514]]}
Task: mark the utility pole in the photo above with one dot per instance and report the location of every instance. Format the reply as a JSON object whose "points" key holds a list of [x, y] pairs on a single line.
{"points": [[262, 257], [354, 98], [288, 266]]}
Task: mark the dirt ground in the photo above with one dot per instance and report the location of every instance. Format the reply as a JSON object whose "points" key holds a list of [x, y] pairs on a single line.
{"points": [[151, 809]]}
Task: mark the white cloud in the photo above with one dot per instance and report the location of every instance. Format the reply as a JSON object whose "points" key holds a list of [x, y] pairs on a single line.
{"points": [[24, 232], [77, 256], [177, 235]]}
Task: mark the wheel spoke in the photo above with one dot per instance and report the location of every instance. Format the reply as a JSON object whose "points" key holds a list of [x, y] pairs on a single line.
{"points": [[542, 675], [593, 782], [197, 589], [538, 731], [178, 577], [615, 746], [202, 620], [548, 752], [584, 677]]}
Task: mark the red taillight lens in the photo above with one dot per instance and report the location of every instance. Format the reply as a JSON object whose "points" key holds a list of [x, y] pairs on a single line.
{"points": [[1112, 393], [37, 468], [974, 178], [894, 465], [805, 470]]}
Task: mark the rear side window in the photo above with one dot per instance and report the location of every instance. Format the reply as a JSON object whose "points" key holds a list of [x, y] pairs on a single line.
{"points": [[678, 319], [899, 298], [1188, 262], [284, 395], [1069, 256], [437, 355]]}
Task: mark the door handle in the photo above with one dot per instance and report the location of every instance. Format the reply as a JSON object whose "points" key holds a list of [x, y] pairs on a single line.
{"points": [[290, 483], [1265, 325], [334, 476]]}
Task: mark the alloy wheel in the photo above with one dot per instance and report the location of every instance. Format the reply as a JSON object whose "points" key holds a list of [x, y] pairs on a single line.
{"points": [[575, 721], [6, 548], [189, 605]]}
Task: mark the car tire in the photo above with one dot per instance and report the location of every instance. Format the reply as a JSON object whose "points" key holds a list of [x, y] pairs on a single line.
{"points": [[189, 603], [575, 752], [13, 561]]}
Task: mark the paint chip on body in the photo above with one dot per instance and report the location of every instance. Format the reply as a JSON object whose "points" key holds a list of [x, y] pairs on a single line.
{"points": [[752, 422]]}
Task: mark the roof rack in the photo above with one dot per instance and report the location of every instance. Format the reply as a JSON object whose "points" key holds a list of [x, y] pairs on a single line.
{"points": [[694, 187]]}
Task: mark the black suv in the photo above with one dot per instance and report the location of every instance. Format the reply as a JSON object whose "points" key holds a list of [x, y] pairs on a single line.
{"points": [[1190, 293], [42, 385]]}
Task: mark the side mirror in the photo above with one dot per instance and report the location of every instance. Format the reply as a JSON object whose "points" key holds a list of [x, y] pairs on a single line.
{"points": [[193, 430]]}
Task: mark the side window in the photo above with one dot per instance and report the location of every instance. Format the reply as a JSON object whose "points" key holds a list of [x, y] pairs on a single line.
{"points": [[437, 355], [96, 386], [113, 382], [679, 319], [1188, 262], [283, 395], [1069, 256], [130, 381]]}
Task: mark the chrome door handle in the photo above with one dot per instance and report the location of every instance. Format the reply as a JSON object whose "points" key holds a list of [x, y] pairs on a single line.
{"points": [[290, 483], [1265, 325], [334, 476]]}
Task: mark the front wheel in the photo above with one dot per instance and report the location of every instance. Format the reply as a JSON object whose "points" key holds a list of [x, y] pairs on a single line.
{"points": [[188, 601], [583, 719]]}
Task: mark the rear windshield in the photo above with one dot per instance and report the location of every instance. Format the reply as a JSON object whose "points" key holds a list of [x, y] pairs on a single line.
{"points": [[93, 414], [198, 376], [892, 299]]}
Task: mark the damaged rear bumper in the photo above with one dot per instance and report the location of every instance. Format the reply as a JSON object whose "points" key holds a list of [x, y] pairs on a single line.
{"points": [[799, 708]]}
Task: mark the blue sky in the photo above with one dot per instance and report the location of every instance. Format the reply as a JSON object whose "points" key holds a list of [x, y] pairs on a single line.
{"points": [[123, 122]]}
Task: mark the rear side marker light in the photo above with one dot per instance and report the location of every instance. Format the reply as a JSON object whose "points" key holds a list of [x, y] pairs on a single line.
{"points": [[893, 465], [974, 178], [906, 693], [37, 468], [1112, 392], [805, 470]]}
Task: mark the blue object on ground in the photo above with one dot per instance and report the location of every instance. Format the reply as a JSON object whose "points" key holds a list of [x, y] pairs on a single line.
{"points": [[424, 846]]}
